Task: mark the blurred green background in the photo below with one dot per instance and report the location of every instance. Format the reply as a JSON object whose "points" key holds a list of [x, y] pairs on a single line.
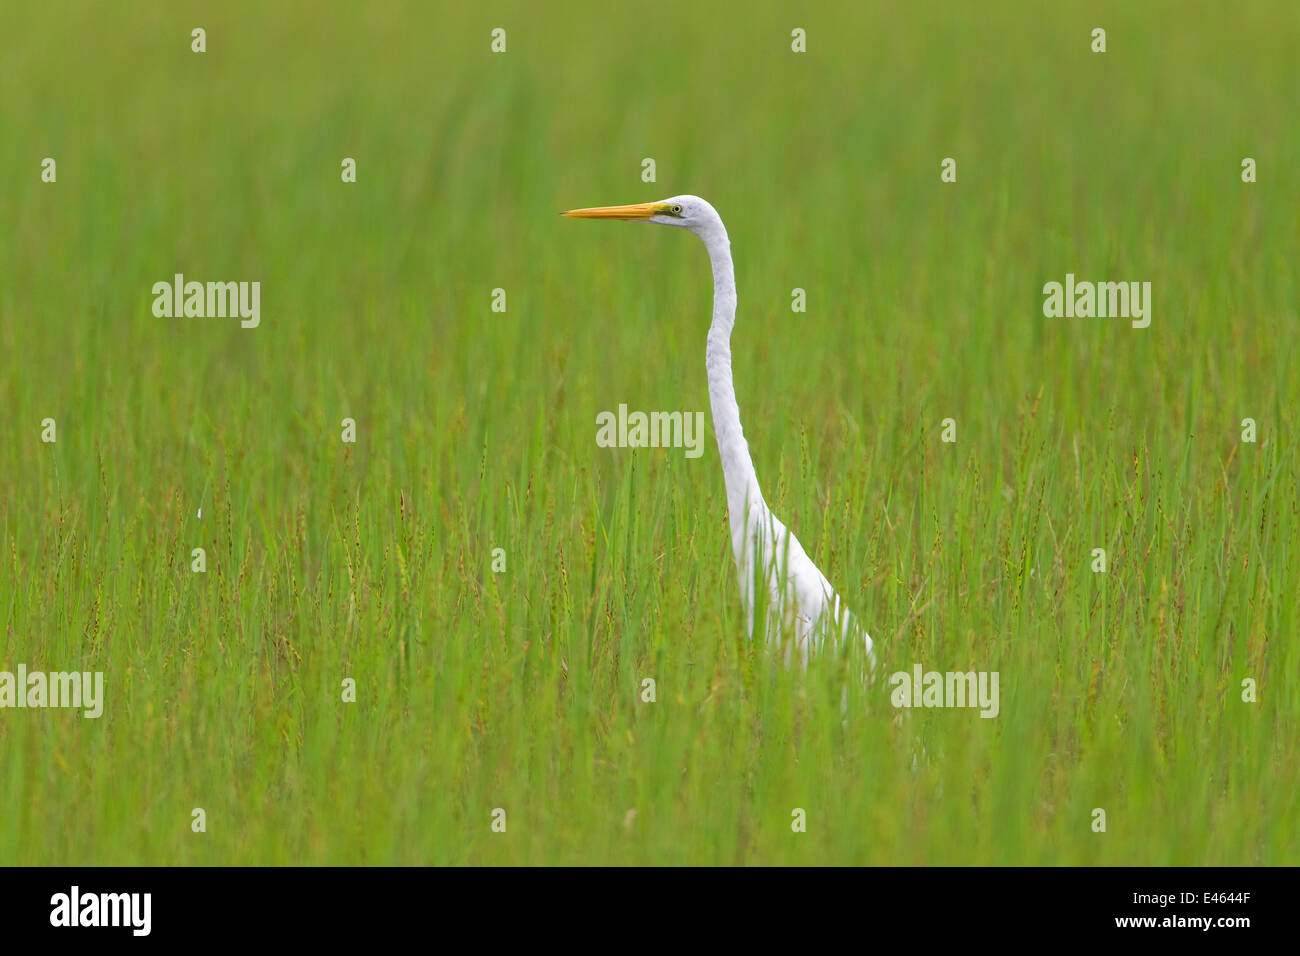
{"points": [[476, 430]]}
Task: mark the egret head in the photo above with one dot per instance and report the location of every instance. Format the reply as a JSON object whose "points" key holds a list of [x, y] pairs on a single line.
{"points": [[685, 212]]}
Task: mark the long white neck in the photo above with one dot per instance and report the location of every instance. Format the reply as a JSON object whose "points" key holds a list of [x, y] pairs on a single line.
{"points": [[743, 494]]}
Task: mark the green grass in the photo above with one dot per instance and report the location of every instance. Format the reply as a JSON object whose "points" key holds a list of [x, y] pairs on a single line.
{"points": [[476, 430]]}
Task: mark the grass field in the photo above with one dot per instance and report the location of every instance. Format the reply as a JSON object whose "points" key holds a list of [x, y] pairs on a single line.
{"points": [[475, 430]]}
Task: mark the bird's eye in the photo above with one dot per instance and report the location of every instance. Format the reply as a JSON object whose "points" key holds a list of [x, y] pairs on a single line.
{"points": [[677, 210]]}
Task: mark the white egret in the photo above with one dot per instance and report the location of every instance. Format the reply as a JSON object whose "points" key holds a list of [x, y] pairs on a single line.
{"points": [[800, 601]]}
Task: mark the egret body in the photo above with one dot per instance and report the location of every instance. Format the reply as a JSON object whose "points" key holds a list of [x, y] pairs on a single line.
{"points": [[800, 601]]}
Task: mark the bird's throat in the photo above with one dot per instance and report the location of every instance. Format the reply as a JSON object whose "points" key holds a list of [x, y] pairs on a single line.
{"points": [[743, 494]]}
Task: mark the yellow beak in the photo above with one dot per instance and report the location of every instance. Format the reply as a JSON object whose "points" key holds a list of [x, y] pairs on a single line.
{"points": [[636, 211]]}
